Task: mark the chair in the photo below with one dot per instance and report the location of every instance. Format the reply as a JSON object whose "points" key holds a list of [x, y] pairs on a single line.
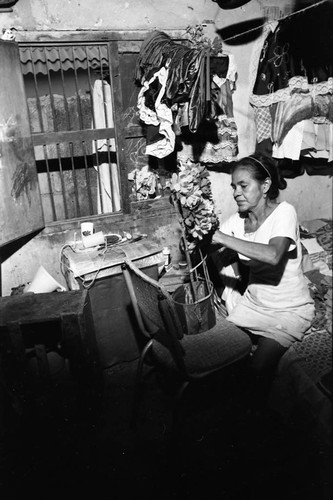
{"points": [[189, 357]]}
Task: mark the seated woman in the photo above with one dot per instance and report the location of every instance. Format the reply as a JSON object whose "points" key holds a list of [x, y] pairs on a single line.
{"points": [[275, 308]]}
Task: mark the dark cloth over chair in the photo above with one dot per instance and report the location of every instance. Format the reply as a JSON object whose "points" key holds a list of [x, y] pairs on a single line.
{"points": [[189, 357]]}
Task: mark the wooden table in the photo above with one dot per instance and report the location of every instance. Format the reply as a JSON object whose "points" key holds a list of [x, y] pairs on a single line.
{"points": [[43, 323]]}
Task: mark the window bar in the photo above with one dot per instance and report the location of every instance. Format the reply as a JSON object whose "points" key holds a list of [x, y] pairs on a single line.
{"points": [[54, 215], [38, 104], [112, 187], [107, 125], [98, 175], [95, 155], [106, 121], [101, 65], [93, 126], [117, 105], [78, 100], [84, 151], [63, 89], [76, 191], [63, 185], [55, 127], [91, 89], [92, 104]]}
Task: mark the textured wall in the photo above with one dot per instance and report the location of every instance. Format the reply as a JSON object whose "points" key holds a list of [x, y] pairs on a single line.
{"points": [[311, 195], [109, 14]]}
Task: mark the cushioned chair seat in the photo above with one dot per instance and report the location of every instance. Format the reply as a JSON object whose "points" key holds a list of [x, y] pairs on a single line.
{"points": [[189, 357], [218, 347]]}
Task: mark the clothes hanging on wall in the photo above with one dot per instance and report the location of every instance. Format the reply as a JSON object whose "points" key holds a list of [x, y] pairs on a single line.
{"points": [[216, 141], [186, 73], [294, 83], [182, 87], [160, 135]]}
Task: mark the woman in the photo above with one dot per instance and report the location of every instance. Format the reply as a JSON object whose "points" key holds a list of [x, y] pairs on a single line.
{"points": [[276, 307]]}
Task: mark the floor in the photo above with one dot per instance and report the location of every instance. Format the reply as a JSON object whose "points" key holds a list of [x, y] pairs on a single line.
{"points": [[51, 448]]}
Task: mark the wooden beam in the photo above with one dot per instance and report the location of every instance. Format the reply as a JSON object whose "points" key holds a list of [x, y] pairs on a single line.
{"points": [[40, 139], [84, 36]]}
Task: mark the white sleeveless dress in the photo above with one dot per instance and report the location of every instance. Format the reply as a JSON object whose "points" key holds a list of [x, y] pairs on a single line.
{"points": [[277, 303]]}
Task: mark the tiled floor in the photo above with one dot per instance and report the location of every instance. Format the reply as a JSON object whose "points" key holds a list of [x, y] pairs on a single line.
{"points": [[222, 451]]}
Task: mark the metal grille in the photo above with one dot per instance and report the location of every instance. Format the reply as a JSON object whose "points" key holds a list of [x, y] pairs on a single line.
{"points": [[71, 113]]}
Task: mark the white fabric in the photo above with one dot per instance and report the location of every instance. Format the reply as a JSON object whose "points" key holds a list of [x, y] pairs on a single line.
{"points": [[163, 117], [276, 307], [230, 294], [108, 186], [311, 139], [292, 143]]}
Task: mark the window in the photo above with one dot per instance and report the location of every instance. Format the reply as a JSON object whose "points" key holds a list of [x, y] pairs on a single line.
{"points": [[78, 141], [89, 144]]}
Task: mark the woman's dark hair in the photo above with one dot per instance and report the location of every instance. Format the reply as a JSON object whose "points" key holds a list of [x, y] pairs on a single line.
{"points": [[261, 167]]}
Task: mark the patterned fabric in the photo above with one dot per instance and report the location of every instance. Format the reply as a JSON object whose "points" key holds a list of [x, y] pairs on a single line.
{"points": [[295, 49], [263, 123], [321, 285], [160, 136], [308, 351], [298, 393], [324, 236], [220, 346], [299, 107], [215, 141]]}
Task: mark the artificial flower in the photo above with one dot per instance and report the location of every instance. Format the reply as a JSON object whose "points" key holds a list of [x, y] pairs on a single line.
{"points": [[192, 193]]}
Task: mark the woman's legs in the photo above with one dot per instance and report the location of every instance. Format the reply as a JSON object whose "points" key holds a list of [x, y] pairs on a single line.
{"points": [[266, 357], [263, 364]]}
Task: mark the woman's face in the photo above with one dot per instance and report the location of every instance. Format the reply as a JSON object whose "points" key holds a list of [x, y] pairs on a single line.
{"points": [[247, 191]]}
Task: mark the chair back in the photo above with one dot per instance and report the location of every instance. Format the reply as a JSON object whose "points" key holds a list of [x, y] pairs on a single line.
{"points": [[154, 311]]}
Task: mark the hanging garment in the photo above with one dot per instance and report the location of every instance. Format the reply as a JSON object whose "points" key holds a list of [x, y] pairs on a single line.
{"points": [[186, 79], [160, 135], [263, 121], [299, 46], [302, 106], [217, 142], [108, 192], [294, 74], [317, 140], [291, 145]]}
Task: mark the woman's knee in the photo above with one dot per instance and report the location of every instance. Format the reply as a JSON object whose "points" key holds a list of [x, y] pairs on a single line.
{"points": [[266, 356]]}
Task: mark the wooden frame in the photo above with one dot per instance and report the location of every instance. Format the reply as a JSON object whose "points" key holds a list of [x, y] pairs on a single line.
{"points": [[20, 204], [121, 44]]}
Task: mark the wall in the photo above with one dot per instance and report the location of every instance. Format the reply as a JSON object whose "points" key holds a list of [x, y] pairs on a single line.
{"points": [[311, 195]]}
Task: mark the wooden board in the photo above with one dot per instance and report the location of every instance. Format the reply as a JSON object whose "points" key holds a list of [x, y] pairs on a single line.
{"points": [[20, 203], [39, 307], [82, 263]]}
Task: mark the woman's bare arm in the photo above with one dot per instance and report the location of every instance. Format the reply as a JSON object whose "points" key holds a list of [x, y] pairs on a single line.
{"points": [[271, 253]]}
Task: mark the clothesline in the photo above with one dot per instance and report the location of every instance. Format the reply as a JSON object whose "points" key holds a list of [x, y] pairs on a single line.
{"points": [[281, 19]]}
